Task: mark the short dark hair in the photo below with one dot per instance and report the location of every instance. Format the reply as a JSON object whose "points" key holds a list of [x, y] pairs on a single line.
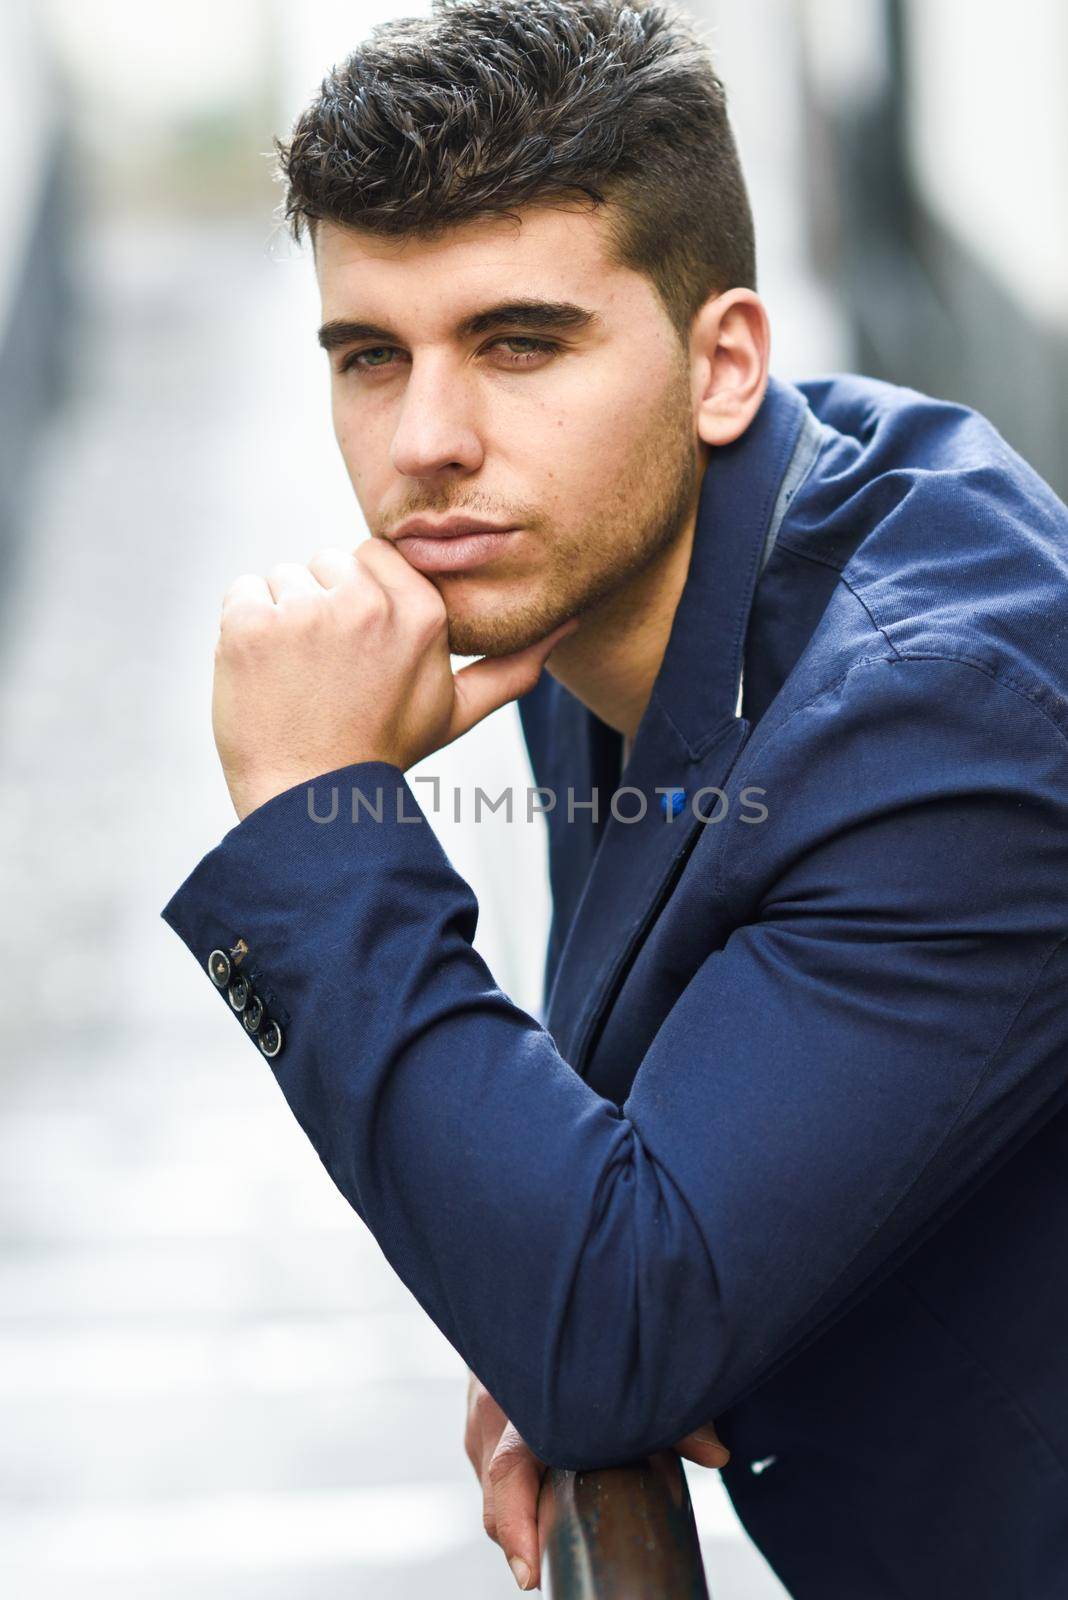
{"points": [[487, 105]]}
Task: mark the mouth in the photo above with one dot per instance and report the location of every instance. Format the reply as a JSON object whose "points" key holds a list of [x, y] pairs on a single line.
{"points": [[448, 527], [454, 545]]}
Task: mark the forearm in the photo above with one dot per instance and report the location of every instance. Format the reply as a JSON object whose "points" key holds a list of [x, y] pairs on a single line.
{"points": [[517, 1205]]}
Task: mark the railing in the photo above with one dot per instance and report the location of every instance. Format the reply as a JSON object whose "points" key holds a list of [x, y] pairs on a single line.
{"points": [[623, 1533]]}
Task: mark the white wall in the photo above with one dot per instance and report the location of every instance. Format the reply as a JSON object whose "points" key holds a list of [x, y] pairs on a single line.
{"points": [[756, 45], [988, 134], [25, 117]]}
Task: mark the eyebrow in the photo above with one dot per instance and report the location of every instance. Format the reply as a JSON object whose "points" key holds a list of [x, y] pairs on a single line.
{"points": [[562, 316]]}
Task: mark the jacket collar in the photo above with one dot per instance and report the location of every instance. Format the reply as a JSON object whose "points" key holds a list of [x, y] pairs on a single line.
{"points": [[687, 739], [696, 689]]}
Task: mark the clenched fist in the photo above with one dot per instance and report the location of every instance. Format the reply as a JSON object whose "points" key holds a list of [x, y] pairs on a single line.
{"points": [[345, 659]]}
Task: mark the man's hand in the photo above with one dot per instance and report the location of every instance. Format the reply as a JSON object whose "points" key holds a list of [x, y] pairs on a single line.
{"points": [[345, 659], [511, 1476]]}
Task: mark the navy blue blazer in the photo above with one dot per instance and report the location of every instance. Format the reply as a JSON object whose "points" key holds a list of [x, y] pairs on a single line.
{"points": [[789, 1148]]}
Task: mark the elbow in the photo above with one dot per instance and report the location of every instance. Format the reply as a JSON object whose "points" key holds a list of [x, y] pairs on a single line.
{"points": [[621, 1387], [636, 1337], [613, 1425], [577, 1444]]}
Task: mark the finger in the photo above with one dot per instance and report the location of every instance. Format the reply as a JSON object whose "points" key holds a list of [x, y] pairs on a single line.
{"points": [[485, 1422], [332, 566], [705, 1447], [472, 1432], [515, 1475], [489, 1503], [250, 589], [382, 559], [491, 1438], [490, 683], [289, 580], [480, 1434]]}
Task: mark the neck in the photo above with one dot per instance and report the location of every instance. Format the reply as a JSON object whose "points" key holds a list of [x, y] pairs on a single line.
{"points": [[611, 661]]}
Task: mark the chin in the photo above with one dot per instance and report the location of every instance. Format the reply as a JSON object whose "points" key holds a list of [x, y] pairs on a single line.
{"points": [[472, 638], [496, 633]]}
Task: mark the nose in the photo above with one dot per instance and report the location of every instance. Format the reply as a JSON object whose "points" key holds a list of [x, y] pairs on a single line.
{"points": [[436, 434]]}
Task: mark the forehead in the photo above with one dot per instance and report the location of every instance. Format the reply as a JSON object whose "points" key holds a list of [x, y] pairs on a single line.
{"points": [[544, 252]]}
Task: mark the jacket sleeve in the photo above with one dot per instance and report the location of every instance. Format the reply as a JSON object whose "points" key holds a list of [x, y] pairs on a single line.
{"points": [[885, 1023]]}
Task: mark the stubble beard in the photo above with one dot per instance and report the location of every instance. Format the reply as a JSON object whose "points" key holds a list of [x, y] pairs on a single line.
{"points": [[649, 507]]}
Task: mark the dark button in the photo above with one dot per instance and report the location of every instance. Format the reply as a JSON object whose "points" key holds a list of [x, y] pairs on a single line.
{"points": [[270, 1038], [239, 992], [252, 1015], [219, 968]]}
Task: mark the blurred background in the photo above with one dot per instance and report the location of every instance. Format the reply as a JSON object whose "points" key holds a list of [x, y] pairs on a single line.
{"points": [[210, 1381]]}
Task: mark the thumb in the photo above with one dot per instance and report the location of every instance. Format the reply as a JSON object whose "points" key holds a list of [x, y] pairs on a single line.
{"points": [[487, 684]]}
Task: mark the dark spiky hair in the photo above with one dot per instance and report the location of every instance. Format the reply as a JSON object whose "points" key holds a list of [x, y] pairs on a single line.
{"points": [[488, 105]]}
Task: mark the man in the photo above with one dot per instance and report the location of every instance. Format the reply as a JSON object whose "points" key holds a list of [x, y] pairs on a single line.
{"points": [[787, 1158]]}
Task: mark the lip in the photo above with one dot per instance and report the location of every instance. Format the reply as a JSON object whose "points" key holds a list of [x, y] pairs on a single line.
{"points": [[453, 551], [448, 527]]}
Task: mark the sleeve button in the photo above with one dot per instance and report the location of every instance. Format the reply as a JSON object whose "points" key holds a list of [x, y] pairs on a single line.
{"points": [[238, 993], [270, 1038], [219, 968], [252, 1015]]}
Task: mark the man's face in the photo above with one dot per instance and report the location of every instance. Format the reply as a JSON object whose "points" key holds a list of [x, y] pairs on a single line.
{"points": [[575, 427]]}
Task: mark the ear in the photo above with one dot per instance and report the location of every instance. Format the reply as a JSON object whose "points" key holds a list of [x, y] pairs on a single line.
{"points": [[730, 343]]}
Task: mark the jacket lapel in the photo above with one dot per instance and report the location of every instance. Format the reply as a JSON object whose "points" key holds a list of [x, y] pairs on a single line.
{"points": [[688, 739]]}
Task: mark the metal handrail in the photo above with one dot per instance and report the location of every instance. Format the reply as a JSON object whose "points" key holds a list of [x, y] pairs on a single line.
{"points": [[621, 1533]]}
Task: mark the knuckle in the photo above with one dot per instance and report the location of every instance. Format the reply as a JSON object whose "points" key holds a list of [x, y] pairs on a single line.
{"points": [[374, 602], [334, 564], [503, 1464], [306, 598], [480, 1409], [428, 621], [237, 601], [485, 1419], [240, 582], [282, 569]]}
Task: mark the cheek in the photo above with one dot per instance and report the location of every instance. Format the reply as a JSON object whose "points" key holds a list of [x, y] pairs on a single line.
{"points": [[591, 448], [344, 432], [608, 412], [364, 445]]}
